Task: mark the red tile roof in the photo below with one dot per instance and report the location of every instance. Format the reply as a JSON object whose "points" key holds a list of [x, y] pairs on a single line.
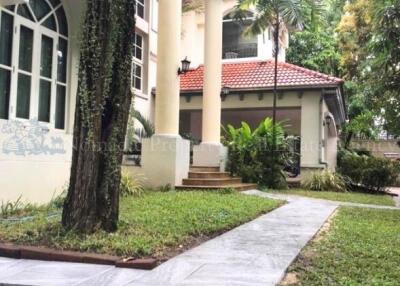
{"points": [[259, 75]]}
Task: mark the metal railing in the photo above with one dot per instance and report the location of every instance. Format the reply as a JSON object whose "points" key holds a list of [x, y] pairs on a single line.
{"points": [[240, 51]]}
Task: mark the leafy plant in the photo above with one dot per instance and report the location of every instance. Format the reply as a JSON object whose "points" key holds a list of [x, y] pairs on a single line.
{"points": [[148, 127], [251, 153], [131, 185], [325, 180]]}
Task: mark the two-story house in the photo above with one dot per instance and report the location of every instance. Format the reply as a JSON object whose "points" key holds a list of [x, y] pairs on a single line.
{"points": [[39, 57]]}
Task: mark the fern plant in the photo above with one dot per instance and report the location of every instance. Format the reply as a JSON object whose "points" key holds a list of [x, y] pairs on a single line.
{"points": [[325, 180], [131, 185]]}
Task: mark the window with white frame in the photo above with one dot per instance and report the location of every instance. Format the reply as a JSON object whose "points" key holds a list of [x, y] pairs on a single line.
{"points": [[235, 43], [140, 8], [33, 62], [137, 65]]}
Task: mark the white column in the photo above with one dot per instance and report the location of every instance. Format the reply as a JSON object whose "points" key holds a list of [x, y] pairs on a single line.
{"points": [[212, 72], [166, 156], [211, 152], [168, 62]]}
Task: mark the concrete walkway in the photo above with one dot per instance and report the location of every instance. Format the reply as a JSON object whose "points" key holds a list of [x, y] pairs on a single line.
{"points": [[395, 190], [256, 253], [296, 198]]}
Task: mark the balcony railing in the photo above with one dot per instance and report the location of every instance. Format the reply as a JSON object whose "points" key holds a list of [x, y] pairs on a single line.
{"points": [[240, 51]]}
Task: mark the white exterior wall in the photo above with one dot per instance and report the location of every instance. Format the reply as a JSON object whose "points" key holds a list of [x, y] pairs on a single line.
{"points": [[193, 38], [144, 101], [39, 177], [312, 116]]}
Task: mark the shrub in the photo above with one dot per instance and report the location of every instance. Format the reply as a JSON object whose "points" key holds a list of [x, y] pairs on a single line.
{"points": [[131, 185], [370, 173], [325, 180], [251, 154], [363, 151]]}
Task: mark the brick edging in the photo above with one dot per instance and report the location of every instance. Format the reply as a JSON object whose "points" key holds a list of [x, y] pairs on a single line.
{"points": [[47, 254]]}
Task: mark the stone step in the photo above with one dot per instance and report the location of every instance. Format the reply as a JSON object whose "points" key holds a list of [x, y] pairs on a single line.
{"points": [[204, 169], [208, 175], [211, 182], [238, 187]]}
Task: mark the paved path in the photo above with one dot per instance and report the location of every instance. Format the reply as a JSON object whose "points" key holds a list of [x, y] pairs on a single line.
{"points": [[395, 190], [296, 198], [256, 253]]}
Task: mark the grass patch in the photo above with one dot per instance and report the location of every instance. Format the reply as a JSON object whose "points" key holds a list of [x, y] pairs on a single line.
{"points": [[361, 248], [383, 200], [157, 224]]}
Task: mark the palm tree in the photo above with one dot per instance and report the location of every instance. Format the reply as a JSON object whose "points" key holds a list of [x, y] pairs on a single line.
{"points": [[276, 15]]}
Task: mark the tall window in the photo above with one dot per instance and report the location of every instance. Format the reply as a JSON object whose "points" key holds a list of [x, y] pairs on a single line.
{"points": [[33, 62], [140, 8], [235, 43], [137, 66]]}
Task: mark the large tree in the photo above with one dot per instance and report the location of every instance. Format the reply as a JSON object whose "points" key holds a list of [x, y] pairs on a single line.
{"points": [[316, 50], [369, 43], [383, 76], [101, 116]]}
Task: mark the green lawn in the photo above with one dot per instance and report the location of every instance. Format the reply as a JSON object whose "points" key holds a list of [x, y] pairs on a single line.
{"points": [[155, 224], [383, 200], [361, 248]]}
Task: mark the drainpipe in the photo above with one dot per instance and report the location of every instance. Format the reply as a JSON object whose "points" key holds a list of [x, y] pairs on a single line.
{"points": [[321, 128]]}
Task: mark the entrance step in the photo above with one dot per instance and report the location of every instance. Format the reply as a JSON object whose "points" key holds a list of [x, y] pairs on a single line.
{"points": [[204, 169], [208, 175], [210, 178], [238, 187], [212, 182]]}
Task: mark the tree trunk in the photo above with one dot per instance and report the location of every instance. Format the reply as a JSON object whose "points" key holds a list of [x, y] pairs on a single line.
{"points": [[276, 52], [102, 109]]}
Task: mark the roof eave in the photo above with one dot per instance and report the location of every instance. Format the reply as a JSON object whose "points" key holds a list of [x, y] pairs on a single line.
{"points": [[268, 88]]}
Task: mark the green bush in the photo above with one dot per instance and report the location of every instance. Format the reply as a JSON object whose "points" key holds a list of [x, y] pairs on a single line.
{"points": [[325, 180], [131, 185], [371, 173], [251, 154]]}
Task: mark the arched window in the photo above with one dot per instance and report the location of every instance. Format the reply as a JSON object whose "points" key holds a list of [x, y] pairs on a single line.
{"points": [[235, 43], [33, 62]]}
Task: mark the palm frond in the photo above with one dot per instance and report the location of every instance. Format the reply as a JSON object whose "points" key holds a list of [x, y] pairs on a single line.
{"points": [[148, 127]]}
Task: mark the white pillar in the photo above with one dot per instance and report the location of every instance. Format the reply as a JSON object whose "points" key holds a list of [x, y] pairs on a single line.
{"points": [[168, 62], [166, 156], [212, 72], [211, 152]]}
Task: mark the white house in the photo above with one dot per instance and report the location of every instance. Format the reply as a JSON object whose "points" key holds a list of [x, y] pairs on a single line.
{"points": [[39, 56]]}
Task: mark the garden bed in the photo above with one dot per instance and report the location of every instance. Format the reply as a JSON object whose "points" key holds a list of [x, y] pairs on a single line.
{"points": [[359, 247], [156, 225], [351, 197]]}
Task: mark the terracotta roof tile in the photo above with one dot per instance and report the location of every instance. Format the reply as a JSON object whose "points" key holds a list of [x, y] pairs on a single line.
{"points": [[258, 75]]}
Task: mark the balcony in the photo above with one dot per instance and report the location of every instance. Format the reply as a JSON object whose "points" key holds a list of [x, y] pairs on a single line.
{"points": [[238, 51]]}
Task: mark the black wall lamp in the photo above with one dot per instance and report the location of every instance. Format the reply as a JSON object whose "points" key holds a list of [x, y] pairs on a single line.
{"points": [[185, 66], [328, 120], [225, 90]]}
